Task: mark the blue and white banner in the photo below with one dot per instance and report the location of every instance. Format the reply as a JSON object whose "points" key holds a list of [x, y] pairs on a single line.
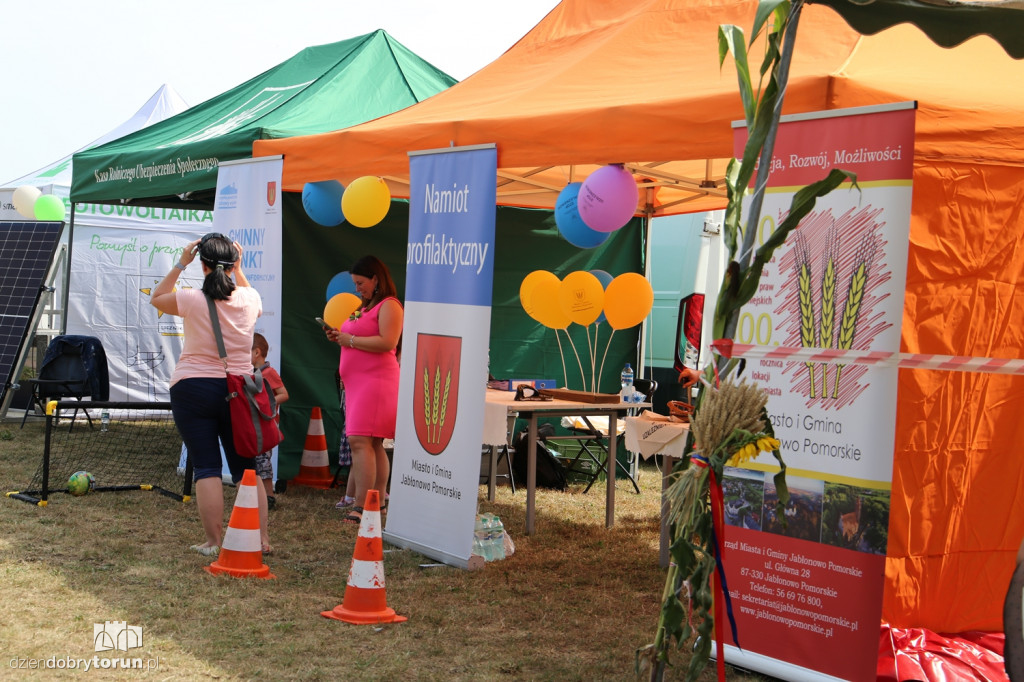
{"points": [[449, 278], [247, 210]]}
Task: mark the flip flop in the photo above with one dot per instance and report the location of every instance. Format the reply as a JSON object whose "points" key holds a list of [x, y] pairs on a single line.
{"points": [[267, 549], [345, 502]]}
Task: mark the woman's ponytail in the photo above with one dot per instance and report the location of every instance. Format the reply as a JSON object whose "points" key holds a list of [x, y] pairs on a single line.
{"points": [[219, 255]]}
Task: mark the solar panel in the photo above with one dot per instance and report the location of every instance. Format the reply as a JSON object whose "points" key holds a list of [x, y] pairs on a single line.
{"points": [[26, 252]]}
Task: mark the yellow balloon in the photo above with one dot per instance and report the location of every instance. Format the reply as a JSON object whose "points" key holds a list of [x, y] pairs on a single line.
{"points": [[366, 201], [628, 300], [340, 307], [526, 289], [581, 296], [546, 306]]}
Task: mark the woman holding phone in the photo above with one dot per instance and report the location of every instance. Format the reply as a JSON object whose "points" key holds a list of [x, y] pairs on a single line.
{"points": [[370, 343]]}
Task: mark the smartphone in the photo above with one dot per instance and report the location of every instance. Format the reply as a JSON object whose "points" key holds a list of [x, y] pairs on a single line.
{"points": [[322, 323]]}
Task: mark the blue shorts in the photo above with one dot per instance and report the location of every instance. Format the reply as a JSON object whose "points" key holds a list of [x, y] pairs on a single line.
{"points": [[203, 419]]}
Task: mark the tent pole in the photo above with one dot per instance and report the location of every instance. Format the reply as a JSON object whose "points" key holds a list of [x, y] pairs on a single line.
{"points": [[67, 274], [645, 327]]}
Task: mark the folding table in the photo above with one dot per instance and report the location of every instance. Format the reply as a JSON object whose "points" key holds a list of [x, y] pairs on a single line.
{"points": [[502, 403]]}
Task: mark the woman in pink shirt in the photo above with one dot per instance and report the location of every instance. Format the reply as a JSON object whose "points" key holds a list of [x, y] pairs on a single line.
{"points": [[199, 381]]}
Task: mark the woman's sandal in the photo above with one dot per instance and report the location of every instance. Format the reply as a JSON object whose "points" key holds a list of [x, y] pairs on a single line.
{"points": [[345, 502], [355, 515]]}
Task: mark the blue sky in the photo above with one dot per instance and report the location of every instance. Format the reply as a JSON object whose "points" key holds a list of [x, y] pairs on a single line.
{"points": [[74, 70]]}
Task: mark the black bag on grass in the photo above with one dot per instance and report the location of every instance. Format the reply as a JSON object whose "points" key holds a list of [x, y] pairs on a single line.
{"points": [[550, 472]]}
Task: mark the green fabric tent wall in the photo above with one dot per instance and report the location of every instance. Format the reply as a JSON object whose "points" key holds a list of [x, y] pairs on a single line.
{"points": [[322, 88], [526, 240]]}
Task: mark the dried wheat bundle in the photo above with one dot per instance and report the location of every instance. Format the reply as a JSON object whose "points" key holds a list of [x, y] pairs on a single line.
{"points": [[725, 409]]}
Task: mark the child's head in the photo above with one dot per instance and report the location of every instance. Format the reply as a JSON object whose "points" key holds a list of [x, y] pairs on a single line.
{"points": [[260, 348]]}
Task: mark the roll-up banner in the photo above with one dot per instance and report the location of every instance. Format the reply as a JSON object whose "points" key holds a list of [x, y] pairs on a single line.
{"points": [[806, 581], [449, 278]]}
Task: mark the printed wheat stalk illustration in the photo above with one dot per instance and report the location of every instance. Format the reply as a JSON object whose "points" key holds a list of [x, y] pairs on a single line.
{"points": [[426, 401], [829, 279], [444, 401], [435, 403], [804, 288], [854, 299]]}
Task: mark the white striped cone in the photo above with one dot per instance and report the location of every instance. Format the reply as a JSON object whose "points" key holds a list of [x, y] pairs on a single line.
{"points": [[365, 599], [241, 552], [315, 469]]}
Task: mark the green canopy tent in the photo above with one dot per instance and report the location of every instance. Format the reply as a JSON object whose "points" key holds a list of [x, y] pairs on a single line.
{"points": [[321, 88]]}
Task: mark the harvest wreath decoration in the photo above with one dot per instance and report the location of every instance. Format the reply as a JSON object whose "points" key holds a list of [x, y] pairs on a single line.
{"points": [[730, 428]]}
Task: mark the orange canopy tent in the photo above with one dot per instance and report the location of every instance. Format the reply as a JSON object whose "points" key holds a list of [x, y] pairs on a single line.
{"points": [[602, 81]]}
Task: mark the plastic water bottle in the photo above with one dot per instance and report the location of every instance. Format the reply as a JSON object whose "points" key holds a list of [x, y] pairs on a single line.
{"points": [[482, 538], [489, 547], [627, 383], [104, 420], [497, 538]]}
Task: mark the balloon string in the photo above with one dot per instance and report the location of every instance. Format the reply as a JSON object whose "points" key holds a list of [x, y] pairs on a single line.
{"points": [[565, 372], [593, 357], [578, 362], [593, 361], [603, 357]]}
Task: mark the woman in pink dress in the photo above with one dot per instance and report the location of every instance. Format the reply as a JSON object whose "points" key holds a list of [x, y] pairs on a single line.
{"points": [[370, 343]]}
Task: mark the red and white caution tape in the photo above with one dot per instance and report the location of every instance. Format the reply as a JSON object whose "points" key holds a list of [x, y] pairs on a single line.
{"points": [[955, 363]]}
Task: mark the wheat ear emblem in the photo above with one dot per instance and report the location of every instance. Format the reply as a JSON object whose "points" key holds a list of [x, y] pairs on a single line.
{"points": [[829, 283], [426, 402], [435, 402], [854, 300], [806, 300]]}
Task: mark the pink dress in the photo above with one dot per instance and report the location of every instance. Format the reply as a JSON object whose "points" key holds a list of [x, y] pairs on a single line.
{"points": [[371, 382]]}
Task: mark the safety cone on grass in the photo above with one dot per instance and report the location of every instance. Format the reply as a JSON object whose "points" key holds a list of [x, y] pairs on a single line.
{"points": [[314, 469], [241, 552], [365, 599]]}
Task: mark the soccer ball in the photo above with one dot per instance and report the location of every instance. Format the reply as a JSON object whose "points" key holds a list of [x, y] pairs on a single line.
{"points": [[80, 483]]}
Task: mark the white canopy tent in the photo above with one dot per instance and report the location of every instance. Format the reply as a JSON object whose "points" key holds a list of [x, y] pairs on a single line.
{"points": [[94, 308]]}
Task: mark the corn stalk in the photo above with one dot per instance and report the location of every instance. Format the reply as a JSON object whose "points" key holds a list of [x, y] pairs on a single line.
{"points": [[691, 549]]}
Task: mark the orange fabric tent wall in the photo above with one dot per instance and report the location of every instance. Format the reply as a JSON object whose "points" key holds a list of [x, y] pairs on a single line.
{"points": [[604, 81]]}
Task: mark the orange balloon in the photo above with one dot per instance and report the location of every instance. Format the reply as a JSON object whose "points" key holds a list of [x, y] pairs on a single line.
{"points": [[546, 306], [340, 307], [628, 300], [581, 296], [526, 289]]}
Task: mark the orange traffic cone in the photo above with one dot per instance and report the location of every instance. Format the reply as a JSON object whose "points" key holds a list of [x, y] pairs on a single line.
{"points": [[365, 600], [314, 469], [241, 552]]}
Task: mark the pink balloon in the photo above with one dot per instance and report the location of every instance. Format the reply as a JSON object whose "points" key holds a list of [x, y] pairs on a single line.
{"points": [[608, 198]]}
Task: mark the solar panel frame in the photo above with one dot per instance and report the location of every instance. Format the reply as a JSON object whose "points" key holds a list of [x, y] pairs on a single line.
{"points": [[27, 251]]}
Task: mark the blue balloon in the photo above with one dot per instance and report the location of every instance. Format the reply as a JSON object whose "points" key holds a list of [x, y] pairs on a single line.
{"points": [[569, 222], [341, 284], [605, 279], [322, 201]]}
